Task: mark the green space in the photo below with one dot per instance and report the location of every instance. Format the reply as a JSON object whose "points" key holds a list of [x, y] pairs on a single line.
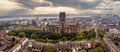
{"points": [[53, 37]]}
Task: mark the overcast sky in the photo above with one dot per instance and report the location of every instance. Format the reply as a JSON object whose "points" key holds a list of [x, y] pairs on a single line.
{"points": [[16, 7]]}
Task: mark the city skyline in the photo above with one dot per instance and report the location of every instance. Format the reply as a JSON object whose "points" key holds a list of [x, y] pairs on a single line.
{"points": [[60, 26], [19, 7]]}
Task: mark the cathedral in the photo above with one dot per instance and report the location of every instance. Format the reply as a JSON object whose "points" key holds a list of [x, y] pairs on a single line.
{"points": [[63, 26]]}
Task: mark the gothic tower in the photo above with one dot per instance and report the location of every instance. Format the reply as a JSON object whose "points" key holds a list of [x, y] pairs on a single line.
{"points": [[62, 21]]}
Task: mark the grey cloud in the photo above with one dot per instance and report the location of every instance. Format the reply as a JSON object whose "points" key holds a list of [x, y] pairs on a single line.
{"points": [[16, 12], [69, 3], [31, 4], [76, 3], [89, 5]]}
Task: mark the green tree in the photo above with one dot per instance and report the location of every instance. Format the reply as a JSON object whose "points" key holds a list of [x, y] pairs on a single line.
{"points": [[80, 36], [33, 36], [11, 33], [101, 44], [22, 34], [91, 34], [64, 38], [99, 49], [101, 32], [13, 43], [67, 50], [47, 49]]}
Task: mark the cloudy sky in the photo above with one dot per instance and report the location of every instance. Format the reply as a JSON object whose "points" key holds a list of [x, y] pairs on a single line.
{"points": [[17, 7]]}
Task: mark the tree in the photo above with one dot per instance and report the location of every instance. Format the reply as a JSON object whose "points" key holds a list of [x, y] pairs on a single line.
{"points": [[47, 49], [64, 38], [99, 49], [100, 32], [13, 39], [11, 33], [91, 34], [101, 44], [22, 34], [33, 36], [67, 50], [80, 36], [13, 43]]}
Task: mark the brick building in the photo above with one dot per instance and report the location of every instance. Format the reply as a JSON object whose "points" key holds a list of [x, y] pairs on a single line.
{"points": [[63, 26]]}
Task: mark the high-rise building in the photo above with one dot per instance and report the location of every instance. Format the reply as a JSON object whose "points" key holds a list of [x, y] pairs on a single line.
{"points": [[63, 26], [37, 22]]}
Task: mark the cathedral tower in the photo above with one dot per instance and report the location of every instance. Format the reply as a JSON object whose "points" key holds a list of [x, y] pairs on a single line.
{"points": [[62, 21]]}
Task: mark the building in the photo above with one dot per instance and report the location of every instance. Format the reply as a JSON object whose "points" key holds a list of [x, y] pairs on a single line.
{"points": [[62, 26], [37, 22], [19, 46]]}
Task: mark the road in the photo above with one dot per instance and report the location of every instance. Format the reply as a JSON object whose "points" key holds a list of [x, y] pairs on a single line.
{"points": [[95, 26], [110, 45]]}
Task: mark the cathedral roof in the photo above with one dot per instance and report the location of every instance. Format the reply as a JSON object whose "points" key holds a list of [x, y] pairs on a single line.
{"points": [[71, 24], [68, 23]]}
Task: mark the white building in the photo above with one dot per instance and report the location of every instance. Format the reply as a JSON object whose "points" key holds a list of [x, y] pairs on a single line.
{"points": [[114, 31], [18, 46]]}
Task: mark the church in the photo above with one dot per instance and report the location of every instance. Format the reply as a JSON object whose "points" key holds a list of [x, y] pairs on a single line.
{"points": [[63, 26]]}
